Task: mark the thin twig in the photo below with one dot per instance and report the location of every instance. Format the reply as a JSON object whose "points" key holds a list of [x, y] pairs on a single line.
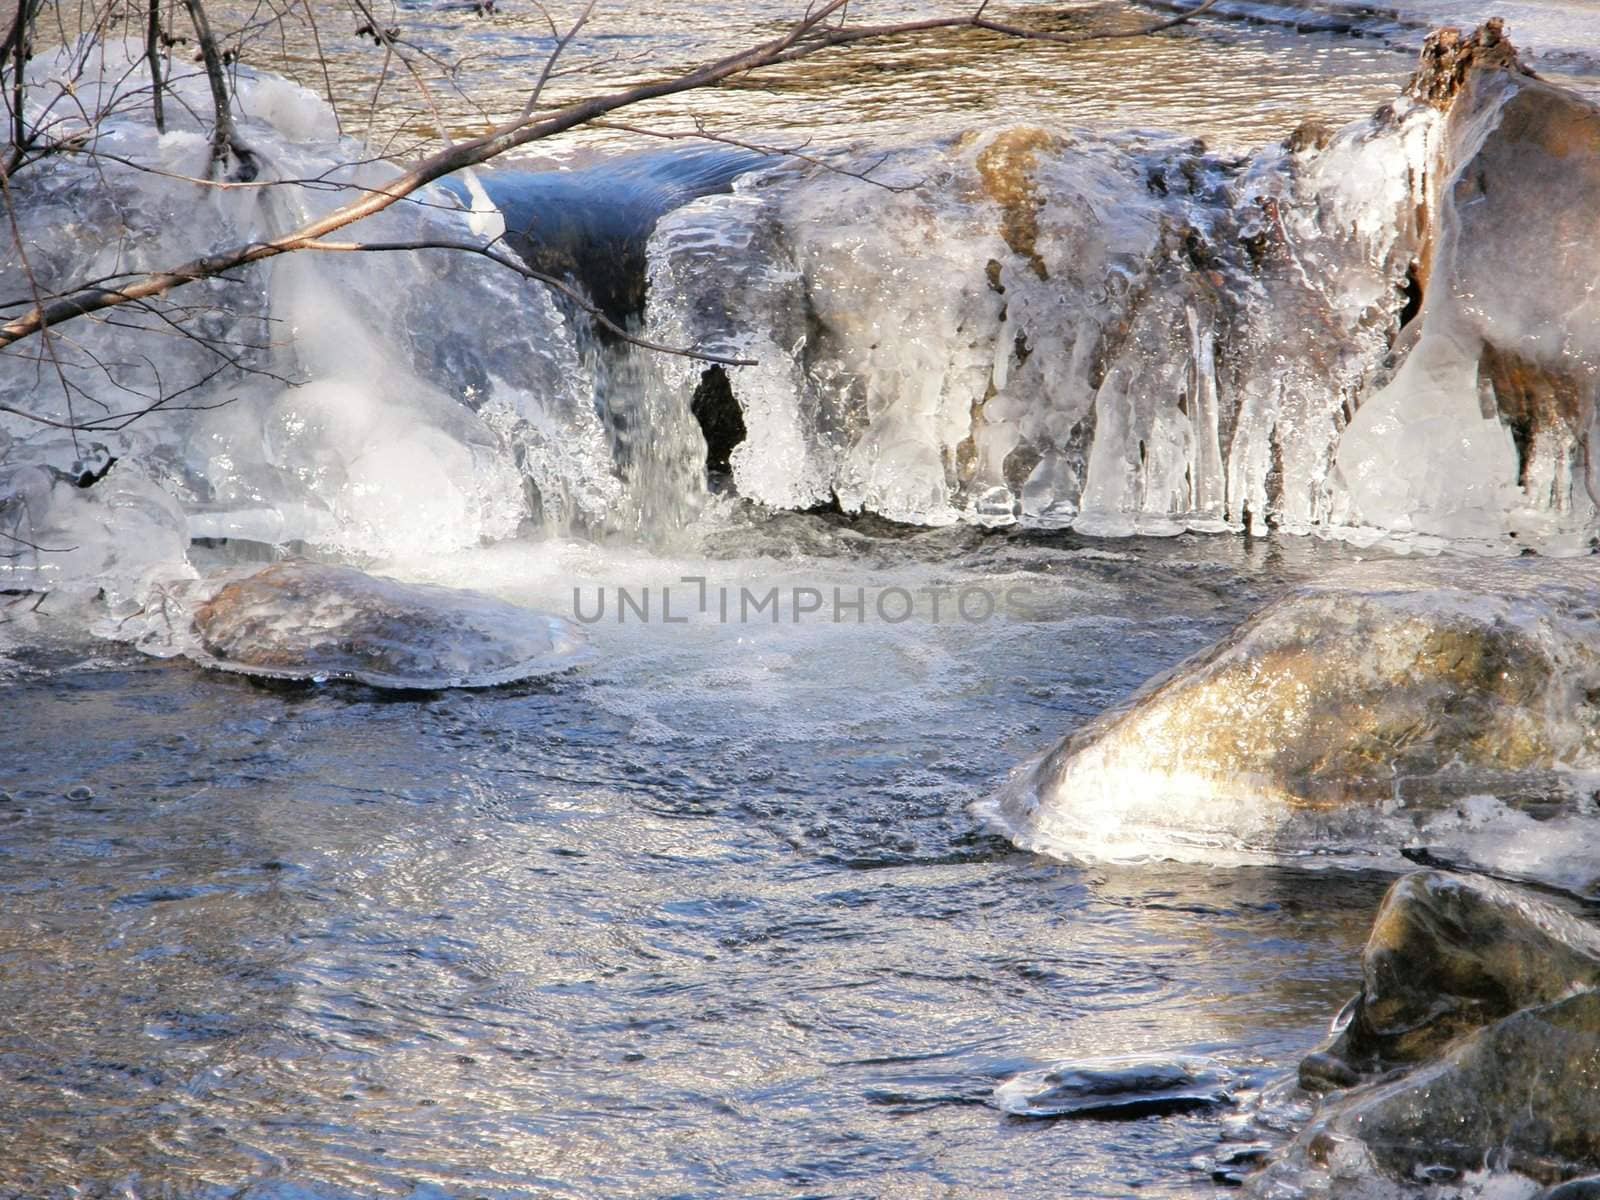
{"points": [[222, 139], [562, 42]]}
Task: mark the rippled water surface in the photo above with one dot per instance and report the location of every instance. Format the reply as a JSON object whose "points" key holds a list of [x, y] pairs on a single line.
{"points": [[1245, 76], [709, 918], [1235, 83]]}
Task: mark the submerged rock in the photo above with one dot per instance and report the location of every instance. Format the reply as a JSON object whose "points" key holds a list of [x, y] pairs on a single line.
{"points": [[306, 621], [1119, 1087], [1449, 954], [1393, 703], [1587, 1188]]}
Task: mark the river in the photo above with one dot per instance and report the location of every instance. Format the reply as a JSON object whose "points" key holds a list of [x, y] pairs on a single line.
{"points": [[711, 916]]}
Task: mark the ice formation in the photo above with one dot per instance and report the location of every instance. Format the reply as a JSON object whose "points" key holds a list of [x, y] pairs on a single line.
{"points": [[1126, 334], [1120, 1087], [308, 621], [397, 406], [1379, 333]]}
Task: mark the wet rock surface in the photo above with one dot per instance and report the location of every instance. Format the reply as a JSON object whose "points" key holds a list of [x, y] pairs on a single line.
{"points": [[1473, 1050], [1448, 954], [1519, 1095], [1587, 1188]]}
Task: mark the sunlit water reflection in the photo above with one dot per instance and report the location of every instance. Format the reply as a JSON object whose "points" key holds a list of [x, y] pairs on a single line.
{"points": [[1233, 83]]}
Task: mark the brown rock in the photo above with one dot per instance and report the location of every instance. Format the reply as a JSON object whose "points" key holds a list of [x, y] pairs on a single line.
{"points": [[1448, 59], [1349, 710], [1449, 954], [1522, 1095]]}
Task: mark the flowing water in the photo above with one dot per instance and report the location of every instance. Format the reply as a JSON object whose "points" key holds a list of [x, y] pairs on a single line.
{"points": [[711, 915], [708, 919]]}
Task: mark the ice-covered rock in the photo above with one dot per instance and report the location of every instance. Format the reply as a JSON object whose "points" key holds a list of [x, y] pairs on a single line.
{"points": [[1480, 1002], [1122, 1087], [307, 621], [1395, 703], [1126, 334], [1483, 431]]}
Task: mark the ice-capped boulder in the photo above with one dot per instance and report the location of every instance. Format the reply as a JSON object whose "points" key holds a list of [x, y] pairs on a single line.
{"points": [[307, 621], [1484, 430], [1120, 333], [1452, 704]]}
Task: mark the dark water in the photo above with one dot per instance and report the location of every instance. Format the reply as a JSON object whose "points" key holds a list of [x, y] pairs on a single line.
{"points": [[709, 918]]}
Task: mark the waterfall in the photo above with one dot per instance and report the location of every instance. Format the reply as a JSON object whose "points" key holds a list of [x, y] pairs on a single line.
{"points": [[1379, 333]]}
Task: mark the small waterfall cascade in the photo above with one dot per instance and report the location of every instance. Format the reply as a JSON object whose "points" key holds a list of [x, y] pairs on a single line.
{"points": [[1377, 333]]}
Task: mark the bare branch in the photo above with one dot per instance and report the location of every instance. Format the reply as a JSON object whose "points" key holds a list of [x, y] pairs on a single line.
{"points": [[222, 139], [152, 53], [322, 61], [562, 42]]}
